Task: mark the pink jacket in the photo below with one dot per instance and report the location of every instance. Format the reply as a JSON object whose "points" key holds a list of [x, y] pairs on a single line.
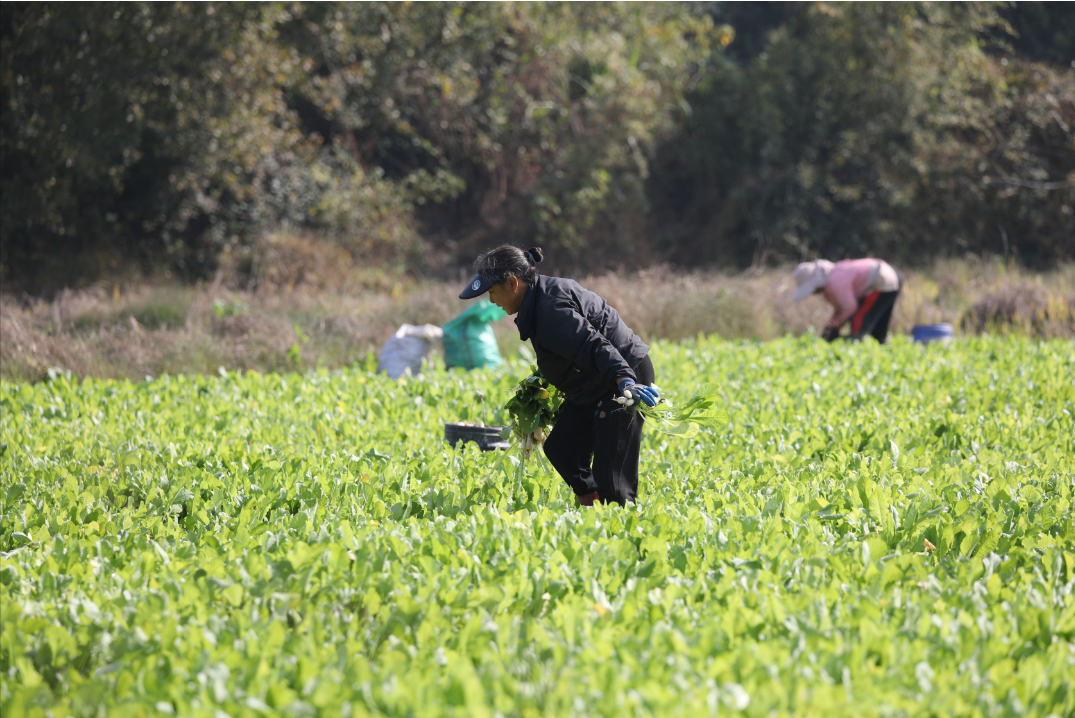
{"points": [[852, 279]]}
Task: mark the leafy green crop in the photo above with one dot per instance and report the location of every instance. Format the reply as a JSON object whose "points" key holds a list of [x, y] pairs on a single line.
{"points": [[308, 545], [531, 411], [687, 420], [530, 415]]}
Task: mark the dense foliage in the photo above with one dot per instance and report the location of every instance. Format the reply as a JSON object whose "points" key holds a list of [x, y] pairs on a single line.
{"points": [[159, 134], [879, 531], [875, 128], [174, 135]]}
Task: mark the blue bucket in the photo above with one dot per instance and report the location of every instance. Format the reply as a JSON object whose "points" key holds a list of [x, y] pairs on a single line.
{"points": [[927, 333]]}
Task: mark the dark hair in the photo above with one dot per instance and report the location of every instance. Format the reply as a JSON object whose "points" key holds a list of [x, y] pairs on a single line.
{"points": [[508, 261]]}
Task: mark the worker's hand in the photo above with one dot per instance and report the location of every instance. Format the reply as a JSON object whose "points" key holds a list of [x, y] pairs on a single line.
{"points": [[831, 334], [638, 392]]}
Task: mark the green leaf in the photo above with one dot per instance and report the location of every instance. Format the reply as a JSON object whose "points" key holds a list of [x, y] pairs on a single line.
{"points": [[684, 429], [715, 419], [988, 543]]}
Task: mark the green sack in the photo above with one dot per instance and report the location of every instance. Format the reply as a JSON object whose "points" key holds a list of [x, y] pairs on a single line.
{"points": [[468, 339]]}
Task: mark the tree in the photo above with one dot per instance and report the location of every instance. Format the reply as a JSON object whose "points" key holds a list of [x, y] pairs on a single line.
{"points": [[133, 131], [872, 129], [166, 136], [504, 122]]}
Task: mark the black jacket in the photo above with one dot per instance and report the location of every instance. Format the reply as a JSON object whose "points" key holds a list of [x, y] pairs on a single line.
{"points": [[581, 343]]}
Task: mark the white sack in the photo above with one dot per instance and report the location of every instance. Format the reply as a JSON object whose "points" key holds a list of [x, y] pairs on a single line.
{"points": [[407, 348]]}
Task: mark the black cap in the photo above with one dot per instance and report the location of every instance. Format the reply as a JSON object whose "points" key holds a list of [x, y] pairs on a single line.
{"points": [[477, 287]]}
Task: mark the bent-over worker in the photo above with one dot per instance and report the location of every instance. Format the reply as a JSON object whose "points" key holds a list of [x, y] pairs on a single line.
{"points": [[862, 291], [585, 350]]}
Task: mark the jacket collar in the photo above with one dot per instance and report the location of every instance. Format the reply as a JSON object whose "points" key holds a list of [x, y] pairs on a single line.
{"points": [[526, 320]]}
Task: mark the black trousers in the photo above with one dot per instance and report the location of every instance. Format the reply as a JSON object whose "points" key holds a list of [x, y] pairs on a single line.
{"points": [[594, 446], [874, 314]]}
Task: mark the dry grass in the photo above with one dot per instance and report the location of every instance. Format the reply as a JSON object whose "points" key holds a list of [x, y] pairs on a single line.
{"points": [[153, 330], [977, 296], [1026, 309]]}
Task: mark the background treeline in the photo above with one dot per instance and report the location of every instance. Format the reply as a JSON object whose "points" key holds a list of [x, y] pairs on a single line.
{"points": [[151, 137]]}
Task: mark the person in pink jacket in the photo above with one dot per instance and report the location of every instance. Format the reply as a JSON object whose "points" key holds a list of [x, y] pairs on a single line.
{"points": [[862, 291]]}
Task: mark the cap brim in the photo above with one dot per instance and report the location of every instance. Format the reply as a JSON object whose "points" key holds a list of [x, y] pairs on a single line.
{"points": [[477, 287], [804, 290]]}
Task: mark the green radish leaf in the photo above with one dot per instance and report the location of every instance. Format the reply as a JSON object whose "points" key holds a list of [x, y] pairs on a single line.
{"points": [[683, 430], [988, 543], [715, 419]]}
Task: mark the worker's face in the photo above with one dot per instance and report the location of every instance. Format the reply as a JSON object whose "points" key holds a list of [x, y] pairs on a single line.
{"points": [[508, 295]]}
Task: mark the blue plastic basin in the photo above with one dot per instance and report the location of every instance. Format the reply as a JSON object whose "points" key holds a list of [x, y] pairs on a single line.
{"points": [[926, 333]]}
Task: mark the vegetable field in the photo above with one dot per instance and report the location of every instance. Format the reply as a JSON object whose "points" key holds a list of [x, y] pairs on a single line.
{"points": [[879, 531]]}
